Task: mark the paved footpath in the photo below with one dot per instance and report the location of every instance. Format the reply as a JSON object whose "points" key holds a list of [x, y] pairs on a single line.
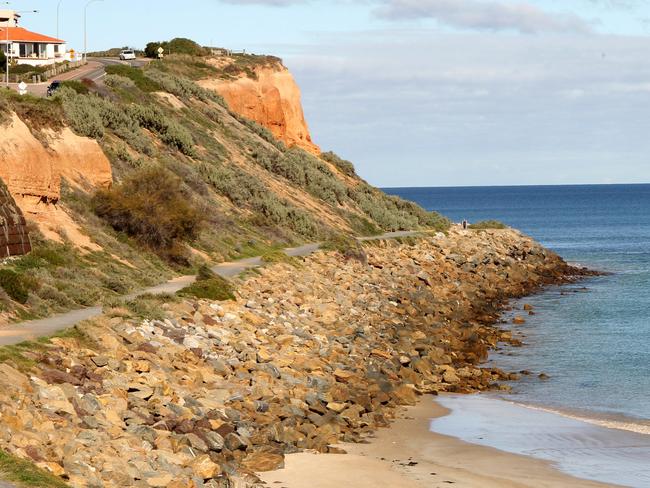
{"points": [[33, 329]]}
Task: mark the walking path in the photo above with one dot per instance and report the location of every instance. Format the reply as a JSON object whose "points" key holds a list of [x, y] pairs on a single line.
{"points": [[33, 329]]}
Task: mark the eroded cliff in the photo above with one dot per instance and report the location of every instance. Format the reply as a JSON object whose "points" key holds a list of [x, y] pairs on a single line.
{"points": [[34, 168], [269, 95], [14, 239]]}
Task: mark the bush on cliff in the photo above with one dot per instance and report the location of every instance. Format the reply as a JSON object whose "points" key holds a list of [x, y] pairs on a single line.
{"points": [[77, 86], [154, 207], [90, 116], [14, 285], [246, 191], [347, 246], [181, 87], [38, 113], [136, 75], [209, 286], [178, 45], [488, 224], [305, 171], [344, 166]]}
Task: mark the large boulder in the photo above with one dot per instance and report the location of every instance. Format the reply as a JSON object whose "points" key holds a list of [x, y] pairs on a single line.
{"points": [[14, 239]]}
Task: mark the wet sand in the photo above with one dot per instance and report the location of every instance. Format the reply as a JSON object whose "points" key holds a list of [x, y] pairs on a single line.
{"points": [[409, 455]]}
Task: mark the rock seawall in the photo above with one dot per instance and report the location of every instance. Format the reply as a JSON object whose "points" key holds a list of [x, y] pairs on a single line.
{"points": [[307, 356]]}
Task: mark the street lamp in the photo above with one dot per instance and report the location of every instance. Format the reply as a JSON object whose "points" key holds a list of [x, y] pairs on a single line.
{"points": [[58, 7], [85, 27], [7, 31]]}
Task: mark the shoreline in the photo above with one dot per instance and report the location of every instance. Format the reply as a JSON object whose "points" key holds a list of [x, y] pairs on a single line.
{"points": [[407, 454], [310, 354]]}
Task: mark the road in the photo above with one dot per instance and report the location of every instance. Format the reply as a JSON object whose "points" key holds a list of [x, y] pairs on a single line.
{"points": [[33, 329], [94, 70]]}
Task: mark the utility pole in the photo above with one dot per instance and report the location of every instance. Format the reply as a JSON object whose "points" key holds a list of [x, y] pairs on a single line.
{"points": [[7, 39], [86, 29]]}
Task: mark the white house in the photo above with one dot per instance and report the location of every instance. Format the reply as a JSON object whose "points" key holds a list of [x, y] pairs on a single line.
{"points": [[26, 47]]}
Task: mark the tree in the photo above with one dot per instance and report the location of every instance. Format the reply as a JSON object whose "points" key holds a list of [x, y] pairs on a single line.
{"points": [[151, 51], [3, 62]]}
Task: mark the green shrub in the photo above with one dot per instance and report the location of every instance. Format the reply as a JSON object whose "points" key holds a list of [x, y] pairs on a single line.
{"points": [[488, 224], [77, 86], [118, 81], [14, 285], [348, 246], [361, 225], [83, 113], [178, 45], [182, 87], [278, 256], [23, 69], [26, 473], [216, 288], [147, 306], [306, 172], [244, 190], [38, 113], [153, 206], [205, 273], [47, 254], [136, 75], [344, 166], [171, 133]]}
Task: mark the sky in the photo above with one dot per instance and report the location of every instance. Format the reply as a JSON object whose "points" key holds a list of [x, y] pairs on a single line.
{"points": [[430, 92]]}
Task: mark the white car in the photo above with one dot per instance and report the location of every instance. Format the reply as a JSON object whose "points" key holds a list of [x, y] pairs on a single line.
{"points": [[127, 54]]}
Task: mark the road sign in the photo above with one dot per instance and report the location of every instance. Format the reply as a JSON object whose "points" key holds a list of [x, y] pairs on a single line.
{"points": [[160, 52], [22, 88]]}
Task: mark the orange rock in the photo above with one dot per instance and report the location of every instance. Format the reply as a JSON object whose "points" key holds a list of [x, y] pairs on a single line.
{"points": [[272, 100], [519, 320], [33, 172]]}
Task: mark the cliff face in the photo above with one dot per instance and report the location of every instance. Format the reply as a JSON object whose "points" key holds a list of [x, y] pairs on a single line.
{"points": [[33, 170], [272, 99], [14, 240]]}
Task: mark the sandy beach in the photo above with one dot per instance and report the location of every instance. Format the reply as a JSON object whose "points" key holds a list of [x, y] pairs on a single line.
{"points": [[408, 455]]}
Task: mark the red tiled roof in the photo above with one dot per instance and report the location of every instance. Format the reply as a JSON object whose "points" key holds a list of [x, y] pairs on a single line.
{"points": [[18, 34]]}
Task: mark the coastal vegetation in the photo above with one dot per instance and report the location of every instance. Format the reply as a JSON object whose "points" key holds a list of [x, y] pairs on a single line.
{"points": [[488, 224], [18, 470], [194, 183]]}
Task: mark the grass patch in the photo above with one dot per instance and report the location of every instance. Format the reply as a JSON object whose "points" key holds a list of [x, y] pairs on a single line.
{"points": [[25, 355], [22, 356], [135, 75], [38, 113], [15, 285], [488, 224], [345, 245], [26, 473], [77, 86], [278, 256], [146, 306], [215, 288]]}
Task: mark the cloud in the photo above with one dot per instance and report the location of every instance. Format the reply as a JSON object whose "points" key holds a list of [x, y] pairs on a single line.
{"points": [[483, 15], [270, 3], [419, 107]]}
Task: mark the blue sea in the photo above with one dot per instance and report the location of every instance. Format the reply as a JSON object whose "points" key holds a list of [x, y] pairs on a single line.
{"points": [[592, 339]]}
